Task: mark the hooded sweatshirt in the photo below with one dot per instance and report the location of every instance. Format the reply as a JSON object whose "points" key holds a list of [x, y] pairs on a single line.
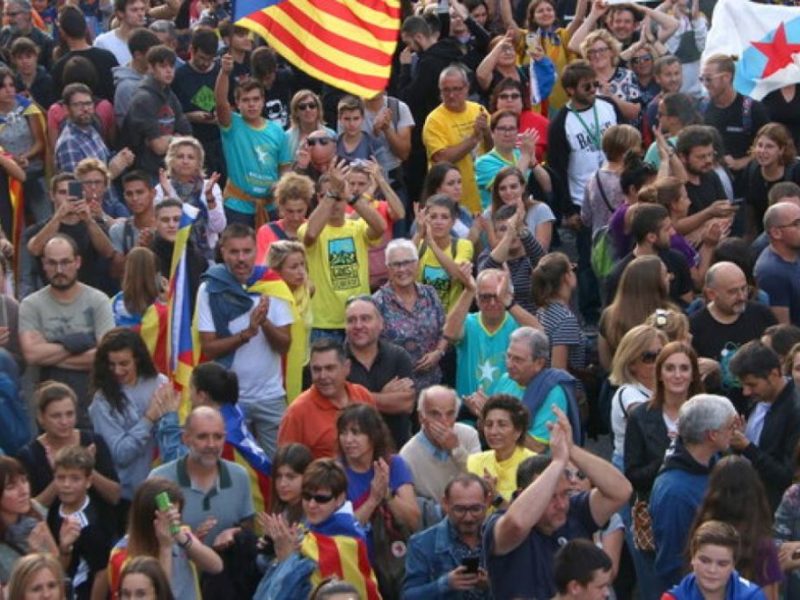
{"points": [[126, 82], [738, 588], [677, 492]]}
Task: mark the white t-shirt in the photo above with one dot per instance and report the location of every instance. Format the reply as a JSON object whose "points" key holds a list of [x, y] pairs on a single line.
{"points": [[256, 364], [584, 135], [113, 43], [625, 398]]}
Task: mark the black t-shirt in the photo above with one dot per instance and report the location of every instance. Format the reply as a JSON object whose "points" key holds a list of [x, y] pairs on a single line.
{"points": [[720, 341], [757, 189], [709, 190], [278, 97], [103, 62], [195, 91], [392, 361], [677, 266], [786, 113], [737, 132]]}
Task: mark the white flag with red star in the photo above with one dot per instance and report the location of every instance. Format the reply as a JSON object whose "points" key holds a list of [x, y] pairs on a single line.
{"points": [[765, 38]]}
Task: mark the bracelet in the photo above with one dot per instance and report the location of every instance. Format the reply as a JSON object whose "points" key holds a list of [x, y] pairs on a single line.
{"points": [[330, 194], [188, 543], [511, 305]]}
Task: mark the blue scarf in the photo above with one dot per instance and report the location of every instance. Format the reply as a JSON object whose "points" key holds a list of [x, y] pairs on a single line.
{"points": [[546, 380]]}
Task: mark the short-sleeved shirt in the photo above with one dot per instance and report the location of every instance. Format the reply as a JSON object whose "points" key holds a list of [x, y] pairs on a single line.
{"points": [[781, 280], [702, 195], [443, 129], [254, 157], [386, 158], [229, 501], [338, 264], [256, 363], [486, 168], [527, 571], [89, 312], [562, 329], [732, 126], [504, 470], [432, 273], [481, 354], [556, 396], [358, 484]]}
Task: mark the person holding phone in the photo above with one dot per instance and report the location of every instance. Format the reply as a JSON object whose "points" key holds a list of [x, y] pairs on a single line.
{"points": [[447, 559]]}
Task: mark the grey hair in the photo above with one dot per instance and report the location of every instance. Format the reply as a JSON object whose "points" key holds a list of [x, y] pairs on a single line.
{"points": [[703, 413], [537, 341], [25, 5], [164, 26], [773, 214], [436, 388], [454, 69], [401, 244], [497, 273], [711, 274]]}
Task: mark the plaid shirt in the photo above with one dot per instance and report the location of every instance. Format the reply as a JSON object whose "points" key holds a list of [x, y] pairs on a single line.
{"points": [[74, 144]]}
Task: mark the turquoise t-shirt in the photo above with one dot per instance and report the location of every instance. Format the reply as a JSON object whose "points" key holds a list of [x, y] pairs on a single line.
{"points": [[481, 355], [486, 168], [254, 157], [539, 421]]}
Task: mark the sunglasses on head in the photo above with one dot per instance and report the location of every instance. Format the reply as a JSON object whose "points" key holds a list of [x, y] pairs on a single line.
{"points": [[321, 141], [318, 498], [306, 105], [649, 357]]}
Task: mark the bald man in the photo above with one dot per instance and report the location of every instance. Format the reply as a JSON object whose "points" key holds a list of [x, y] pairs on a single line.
{"points": [[214, 489], [777, 270], [728, 320]]}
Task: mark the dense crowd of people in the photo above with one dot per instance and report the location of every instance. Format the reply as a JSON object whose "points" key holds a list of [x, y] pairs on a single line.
{"points": [[417, 316]]}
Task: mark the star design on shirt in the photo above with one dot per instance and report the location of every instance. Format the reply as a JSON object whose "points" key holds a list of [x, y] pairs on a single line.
{"points": [[487, 371], [261, 153]]}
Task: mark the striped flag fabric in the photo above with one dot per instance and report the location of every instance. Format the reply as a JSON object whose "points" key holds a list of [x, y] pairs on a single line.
{"points": [[17, 217], [348, 44], [344, 557], [183, 343]]}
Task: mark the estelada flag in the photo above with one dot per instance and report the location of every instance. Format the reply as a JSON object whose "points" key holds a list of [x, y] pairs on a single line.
{"points": [[346, 43], [764, 38]]}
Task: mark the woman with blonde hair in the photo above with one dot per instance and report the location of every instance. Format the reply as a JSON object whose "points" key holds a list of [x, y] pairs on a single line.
{"points": [[36, 576], [305, 116], [185, 180], [634, 373], [643, 287], [293, 194]]}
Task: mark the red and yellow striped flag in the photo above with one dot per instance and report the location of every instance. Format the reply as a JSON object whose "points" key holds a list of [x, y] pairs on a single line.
{"points": [[346, 43]]}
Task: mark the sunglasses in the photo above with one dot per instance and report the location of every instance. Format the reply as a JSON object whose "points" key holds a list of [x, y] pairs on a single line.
{"points": [[400, 264], [514, 96], [649, 357], [641, 59], [320, 141], [574, 474], [318, 498], [306, 105]]}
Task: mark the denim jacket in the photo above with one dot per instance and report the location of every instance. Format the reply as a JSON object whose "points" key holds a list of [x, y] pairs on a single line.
{"points": [[431, 556]]}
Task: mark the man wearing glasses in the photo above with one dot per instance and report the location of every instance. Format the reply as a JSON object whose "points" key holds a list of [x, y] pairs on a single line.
{"points": [[777, 270], [446, 558]]}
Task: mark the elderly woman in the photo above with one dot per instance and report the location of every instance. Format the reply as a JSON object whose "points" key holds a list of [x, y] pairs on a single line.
{"points": [[305, 115], [616, 83], [184, 179], [412, 313]]}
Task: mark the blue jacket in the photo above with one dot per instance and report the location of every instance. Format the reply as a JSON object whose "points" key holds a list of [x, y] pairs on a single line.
{"points": [[429, 559], [677, 492], [738, 589]]}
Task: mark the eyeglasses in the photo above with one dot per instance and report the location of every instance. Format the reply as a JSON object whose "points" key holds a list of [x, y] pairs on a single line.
{"points": [[507, 49], [93, 182], [512, 96], [59, 265], [509, 129], [649, 357], [321, 141], [473, 509], [588, 87], [795, 223], [318, 498], [487, 298], [84, 104], [641, 59], [306, 105], [709, 78], [401, 264], [574, 474], [597, 51]]}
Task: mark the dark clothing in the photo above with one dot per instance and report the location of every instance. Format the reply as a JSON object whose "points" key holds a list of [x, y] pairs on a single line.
{"points": [[195, 260], [9, 33], [278, 97], [757, 190], [476, 47], [155, 111], [392, 361], [520, 268], [92, 546], [103, 61], [709, 190], [420, 89], [773, 457], [646, 441], [737, 131], [41, 90], [195, 91], [785, 113], [676, 264], [527, 571], [720, 341], [40, 473]]}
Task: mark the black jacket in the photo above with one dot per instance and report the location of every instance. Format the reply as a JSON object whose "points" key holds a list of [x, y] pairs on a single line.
{"points": [[646, 442], [773, 457]]}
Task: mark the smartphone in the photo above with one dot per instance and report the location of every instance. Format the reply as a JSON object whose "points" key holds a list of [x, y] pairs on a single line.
{"points": [[75, 190], [471, 563], [736, 201]]}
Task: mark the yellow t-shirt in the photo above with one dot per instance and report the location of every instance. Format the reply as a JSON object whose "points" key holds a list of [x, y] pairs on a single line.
{"points": [[443, 129], [338, 264], [558, 53], [505, 471], [432, 272]]}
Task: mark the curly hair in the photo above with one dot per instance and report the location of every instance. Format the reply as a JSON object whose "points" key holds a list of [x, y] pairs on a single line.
{"points": [[518, 413], [103, 379]]}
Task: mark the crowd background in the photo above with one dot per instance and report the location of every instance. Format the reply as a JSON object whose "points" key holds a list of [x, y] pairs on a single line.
{"points": [[526, 324]]}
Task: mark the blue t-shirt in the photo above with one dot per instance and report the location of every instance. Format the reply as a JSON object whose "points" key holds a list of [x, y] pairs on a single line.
{"points": [[254, 157], [781, 280], [481, 355], [527, 571], [358, 483]]}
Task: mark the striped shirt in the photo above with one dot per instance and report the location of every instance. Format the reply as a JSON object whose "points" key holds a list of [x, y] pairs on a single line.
{"points": [[562, 328]]}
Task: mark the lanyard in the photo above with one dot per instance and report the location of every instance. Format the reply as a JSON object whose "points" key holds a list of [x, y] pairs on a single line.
{"points": [[593, 137]]}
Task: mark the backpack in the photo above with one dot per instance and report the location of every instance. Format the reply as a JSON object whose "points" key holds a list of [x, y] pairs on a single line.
{"points": [[14, 428], [602, 257]]}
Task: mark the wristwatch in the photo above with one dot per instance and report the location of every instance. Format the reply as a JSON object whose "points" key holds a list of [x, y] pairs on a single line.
{"points": [[353, 200], [330, 194]]}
